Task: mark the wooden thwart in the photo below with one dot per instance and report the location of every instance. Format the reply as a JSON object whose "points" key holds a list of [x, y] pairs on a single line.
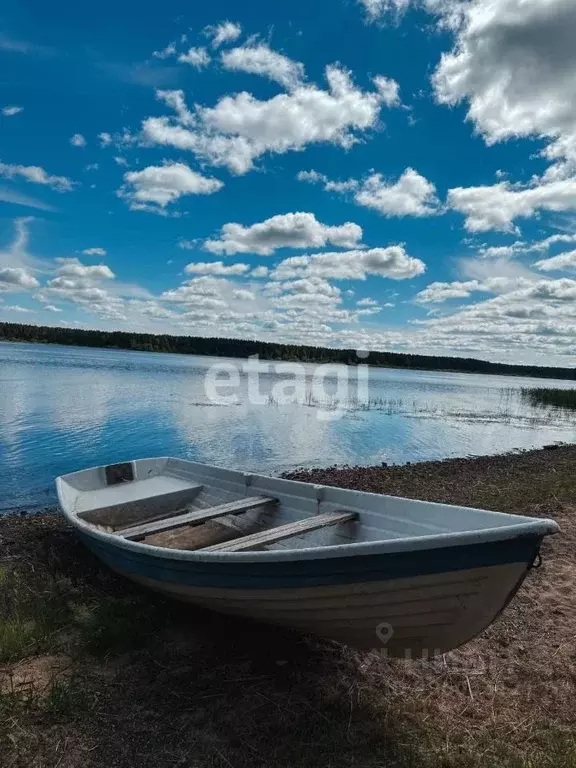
{"points": [[271, 535], [137, 532]]}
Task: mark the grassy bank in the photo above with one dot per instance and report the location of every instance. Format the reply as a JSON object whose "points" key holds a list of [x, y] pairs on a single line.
{"points": [[94, 672]]}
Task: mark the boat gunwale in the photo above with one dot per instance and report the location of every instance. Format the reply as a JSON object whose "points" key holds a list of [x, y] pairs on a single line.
{"points": [[528, 527]]}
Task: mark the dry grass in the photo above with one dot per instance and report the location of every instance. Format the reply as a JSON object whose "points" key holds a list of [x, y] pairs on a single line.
{"points": [[114, 677]]}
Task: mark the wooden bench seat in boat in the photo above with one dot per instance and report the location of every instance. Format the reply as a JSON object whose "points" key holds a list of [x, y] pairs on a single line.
{"points": [[126, 503], [272, 535], [236, 507], [124, 493]]}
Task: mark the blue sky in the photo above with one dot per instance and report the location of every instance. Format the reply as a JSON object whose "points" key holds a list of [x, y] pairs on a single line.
{"points": [[387, 174]]}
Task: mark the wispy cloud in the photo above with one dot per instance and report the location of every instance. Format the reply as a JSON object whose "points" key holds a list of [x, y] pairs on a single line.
{"points": [[11, 196], [226, 32], [36, 175], [23, 46], [10, 111], [15, 255], [141, 73]]}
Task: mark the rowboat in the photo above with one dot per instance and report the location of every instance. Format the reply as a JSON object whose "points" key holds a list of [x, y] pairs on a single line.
{"points": [[411, 578]]}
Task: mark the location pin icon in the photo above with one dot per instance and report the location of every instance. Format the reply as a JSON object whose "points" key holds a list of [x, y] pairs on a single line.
{"points": [[384, 632]]}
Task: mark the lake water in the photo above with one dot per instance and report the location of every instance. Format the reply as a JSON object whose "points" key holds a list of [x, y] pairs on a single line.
{"points": [[65, 408]]}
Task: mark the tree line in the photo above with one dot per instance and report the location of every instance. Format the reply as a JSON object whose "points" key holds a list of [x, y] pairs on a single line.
{"points": [[196, 345]]}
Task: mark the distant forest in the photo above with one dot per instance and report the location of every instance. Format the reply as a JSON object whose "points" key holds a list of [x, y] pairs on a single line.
{"points": [[192, 345]]}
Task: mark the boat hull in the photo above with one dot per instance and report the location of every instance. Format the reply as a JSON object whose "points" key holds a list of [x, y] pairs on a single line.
{"points": [[410, 605]]}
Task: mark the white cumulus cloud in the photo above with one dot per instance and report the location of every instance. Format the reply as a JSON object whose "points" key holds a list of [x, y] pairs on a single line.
{"points": [[376, 10], [215, 268], [199, 293], [11, 110], [83, 285], [501, 251], [196, 57], [497, 206], [312, 285], [262, 60], [225, 32], [439, 292], [74, 268], [391, 262], [165, 53], [565, 260], [16, 278], [176, 101], [156, 186], [241, 128], [411, 195], [243, 295], [36, 175], [78, 140], [94, 252], [290, 230], [520, 247], [514, 63], [536, 315]]}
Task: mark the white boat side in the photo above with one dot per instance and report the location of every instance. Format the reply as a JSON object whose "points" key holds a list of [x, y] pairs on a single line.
{"points": [[432, 575]]}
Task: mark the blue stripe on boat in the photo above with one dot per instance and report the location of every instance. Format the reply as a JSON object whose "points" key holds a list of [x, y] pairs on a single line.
{"points": [[314, 573]]}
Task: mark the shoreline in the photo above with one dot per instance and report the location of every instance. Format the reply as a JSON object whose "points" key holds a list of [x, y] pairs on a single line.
{"points": [[97, 672], [272, 351], [295, 359], [391, 479], [451, 480]]}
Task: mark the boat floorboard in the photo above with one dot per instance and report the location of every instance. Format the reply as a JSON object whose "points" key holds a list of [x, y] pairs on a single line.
{"points": [[271, 535], [195, 516]]}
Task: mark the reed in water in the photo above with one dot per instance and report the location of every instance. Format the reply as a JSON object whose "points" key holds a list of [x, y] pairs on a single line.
{"points": [[544, 397]]}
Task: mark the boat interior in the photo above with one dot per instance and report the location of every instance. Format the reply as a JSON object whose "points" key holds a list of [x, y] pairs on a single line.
{"points": [[183, 505]]}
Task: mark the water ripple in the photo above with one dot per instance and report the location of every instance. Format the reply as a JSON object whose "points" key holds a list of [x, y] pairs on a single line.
{"points": [[64, 408]]}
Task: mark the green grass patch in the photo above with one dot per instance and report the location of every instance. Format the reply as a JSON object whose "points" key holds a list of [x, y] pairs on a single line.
{"points": [[18, 639], [34, 611], [66, 699], [118, 625]]}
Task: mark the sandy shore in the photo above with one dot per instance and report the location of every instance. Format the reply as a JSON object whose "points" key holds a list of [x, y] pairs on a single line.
{"points": [[94, 672]]}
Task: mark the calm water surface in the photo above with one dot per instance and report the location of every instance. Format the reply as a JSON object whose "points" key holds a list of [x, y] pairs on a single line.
{"points": [[65, 408]]}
